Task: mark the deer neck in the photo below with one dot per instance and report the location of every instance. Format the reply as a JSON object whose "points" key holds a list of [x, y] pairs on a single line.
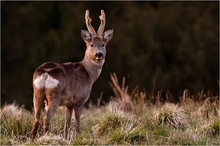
{"points": [[93, 68]]}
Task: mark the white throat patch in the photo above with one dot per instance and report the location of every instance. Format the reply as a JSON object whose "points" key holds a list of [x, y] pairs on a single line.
{"points": [[100, 63], [99, 71], [97, 63]]}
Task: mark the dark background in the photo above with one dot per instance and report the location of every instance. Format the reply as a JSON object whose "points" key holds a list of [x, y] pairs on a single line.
{"points": [[156, 46]]}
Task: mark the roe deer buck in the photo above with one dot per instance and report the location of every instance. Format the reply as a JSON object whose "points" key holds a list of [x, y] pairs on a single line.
{"points": [[69, 84]]}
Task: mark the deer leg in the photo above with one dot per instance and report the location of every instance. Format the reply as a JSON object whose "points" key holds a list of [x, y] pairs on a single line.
{"points": [[77, 112], [68, 115], [53, 103], [38, 101]]}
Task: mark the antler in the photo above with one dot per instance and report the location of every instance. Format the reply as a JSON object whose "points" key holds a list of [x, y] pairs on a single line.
{"points": [[88, 24], [102, 25]]}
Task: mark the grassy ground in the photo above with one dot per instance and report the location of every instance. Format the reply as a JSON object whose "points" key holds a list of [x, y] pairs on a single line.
{"points": [[130, 119], [188, 122]]}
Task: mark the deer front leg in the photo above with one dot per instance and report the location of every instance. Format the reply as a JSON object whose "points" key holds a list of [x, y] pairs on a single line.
{"points": [[77, 112], [68, 115]]}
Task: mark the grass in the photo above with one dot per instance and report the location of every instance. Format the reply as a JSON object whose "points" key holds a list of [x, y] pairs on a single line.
{"points": [[166, 124], [138, 122]]}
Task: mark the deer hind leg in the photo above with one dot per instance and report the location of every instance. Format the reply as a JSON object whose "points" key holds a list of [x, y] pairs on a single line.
{"points": [[38, 101], [53, 100], [68, 115]]}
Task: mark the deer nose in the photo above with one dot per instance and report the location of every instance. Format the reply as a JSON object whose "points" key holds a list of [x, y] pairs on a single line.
{"points": [[99, 55]]}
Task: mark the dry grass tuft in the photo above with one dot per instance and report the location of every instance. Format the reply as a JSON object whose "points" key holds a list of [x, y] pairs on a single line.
{"points": [[11, 110], [49, 139], [15, 120], [110, 121], [172, 115], [121, 92]]}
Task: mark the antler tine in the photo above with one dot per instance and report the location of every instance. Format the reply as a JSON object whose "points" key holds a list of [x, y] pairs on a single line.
{"points": [[88, 24], [102, 25]]}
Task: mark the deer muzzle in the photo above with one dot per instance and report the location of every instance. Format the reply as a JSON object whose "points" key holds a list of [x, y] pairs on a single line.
{"points": [[99, 56]]}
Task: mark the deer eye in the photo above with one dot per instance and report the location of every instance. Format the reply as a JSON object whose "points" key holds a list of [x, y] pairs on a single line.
{"points": [[91, 45], [103, 45]]}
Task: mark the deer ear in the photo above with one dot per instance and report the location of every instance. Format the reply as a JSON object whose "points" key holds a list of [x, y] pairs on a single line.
{"points": [[85, 35], [108, 35]]}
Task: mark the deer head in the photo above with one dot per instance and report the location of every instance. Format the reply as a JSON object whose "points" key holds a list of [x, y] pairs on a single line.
{"points": [[96, 42]]}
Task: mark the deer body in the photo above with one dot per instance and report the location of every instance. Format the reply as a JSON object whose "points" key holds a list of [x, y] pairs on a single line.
{"points": [[70, 84]]}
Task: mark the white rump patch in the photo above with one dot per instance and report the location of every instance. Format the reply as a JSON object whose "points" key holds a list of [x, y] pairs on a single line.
{"points": [[51, 82], [39, 82], [45, 80]]}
